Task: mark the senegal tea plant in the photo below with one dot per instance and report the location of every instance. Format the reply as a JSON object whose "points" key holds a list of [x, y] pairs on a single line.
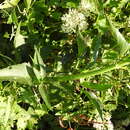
{"points": [[64, 64]]}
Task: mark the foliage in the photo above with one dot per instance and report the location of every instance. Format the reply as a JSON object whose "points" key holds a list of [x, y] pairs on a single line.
{"points": [[68, 60]]}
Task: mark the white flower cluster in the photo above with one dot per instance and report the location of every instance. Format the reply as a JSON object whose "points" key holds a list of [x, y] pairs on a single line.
{"points": [[107, 126], [73, 20]]}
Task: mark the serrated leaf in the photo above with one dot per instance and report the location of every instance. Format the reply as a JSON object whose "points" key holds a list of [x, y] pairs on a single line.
{"points": [[8, 4], [98, 87], [122, 45], [93, 98], [21, 73], [19, 39]]}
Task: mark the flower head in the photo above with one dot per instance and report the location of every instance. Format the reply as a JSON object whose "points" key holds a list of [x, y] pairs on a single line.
{"points": [[107, 122], [72, 20]]}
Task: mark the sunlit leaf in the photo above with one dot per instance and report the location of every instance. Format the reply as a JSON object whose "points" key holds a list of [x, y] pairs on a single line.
{"points": [[8, 110], [22, 116], [9, 4], [28, 3], [13, 17], [122, 45], [71, 4], [19, 38], [39, 66], [101, 24], [21, 73]]}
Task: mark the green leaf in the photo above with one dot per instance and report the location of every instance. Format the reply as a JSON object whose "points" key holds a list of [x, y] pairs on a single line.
{"points": [[96, 45], [6, 114], [8, 4], [98, 87], [27, 96], [8, 110], [37, 57], [44, 95], [101, 24], [19, 73], [6, 58], [13, 18], [19, 39], [71, 4], [81, 44], [39, 66], [93, 98], [122, 45], [22, 116], [28, 3]]}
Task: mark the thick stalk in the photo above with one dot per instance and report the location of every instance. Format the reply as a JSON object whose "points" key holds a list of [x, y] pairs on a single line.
{"points": [[87, 74]]}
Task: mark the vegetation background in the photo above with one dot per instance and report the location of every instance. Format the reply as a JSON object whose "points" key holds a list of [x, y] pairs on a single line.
{"points": [[64, 64]]}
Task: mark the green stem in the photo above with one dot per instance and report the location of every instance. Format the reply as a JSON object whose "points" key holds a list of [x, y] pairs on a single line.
{"points": [[87, 74]]}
